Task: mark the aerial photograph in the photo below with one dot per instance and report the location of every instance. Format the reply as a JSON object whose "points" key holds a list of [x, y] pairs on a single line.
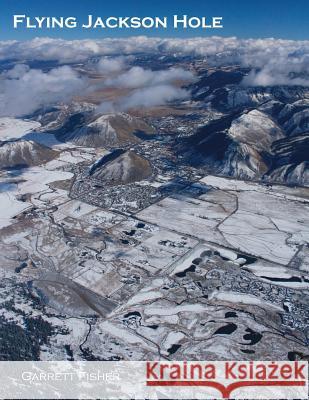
{"points": [[154, 200]]}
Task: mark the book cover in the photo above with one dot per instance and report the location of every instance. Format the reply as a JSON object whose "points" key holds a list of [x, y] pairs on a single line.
{"points": [[154, 202]]}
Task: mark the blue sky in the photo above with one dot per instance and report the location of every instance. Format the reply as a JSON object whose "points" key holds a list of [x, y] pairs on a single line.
{"points": [[287, 19]]}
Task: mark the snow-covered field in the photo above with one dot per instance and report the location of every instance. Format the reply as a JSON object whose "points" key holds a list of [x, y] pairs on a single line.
{"points": [[31, 181], [247, 217], [13, 128]]}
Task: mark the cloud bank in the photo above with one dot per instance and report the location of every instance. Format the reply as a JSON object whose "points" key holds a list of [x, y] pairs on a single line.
{"points": [[24, 90], [107, 65], [144, 98], [149, 88], [139, 77], [274, 61]]}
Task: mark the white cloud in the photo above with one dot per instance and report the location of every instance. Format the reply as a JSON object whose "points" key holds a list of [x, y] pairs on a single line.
{"points": [[111, 64], [267, 77], [17, 72], [139, 77], [24, 90], [148, 88], [279, 69], [145, 97], [153, 96]]}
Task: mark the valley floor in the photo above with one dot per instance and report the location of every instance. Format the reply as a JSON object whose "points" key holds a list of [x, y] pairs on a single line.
{"points": [[217, 269]]}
